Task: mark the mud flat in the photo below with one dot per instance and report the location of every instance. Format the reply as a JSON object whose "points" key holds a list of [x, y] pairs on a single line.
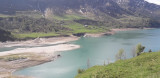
{"points": [[39, 41]]}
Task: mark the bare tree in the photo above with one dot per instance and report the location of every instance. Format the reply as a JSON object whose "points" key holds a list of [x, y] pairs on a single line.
{"points": [[120, 55]]}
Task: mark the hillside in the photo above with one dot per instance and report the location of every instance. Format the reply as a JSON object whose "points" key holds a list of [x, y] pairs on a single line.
{"points": [[41, 18], [146, 65], [5, 35]]}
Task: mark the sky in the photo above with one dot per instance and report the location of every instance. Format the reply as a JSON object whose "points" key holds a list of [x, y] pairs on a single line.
{"points": [[154, 1]]}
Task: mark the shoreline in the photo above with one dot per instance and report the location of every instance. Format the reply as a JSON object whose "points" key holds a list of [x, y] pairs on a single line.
{"points": [[46, 53], [21, 58], [39, 41], [113, 31], [128, 29], [47, 49]]}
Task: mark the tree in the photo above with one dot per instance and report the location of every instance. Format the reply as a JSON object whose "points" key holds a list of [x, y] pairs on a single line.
{"points": [[139, 49], [120, 55]]}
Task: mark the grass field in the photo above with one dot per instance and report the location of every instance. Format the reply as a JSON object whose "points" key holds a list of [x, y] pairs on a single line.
{"points": [[79, 28], [146, 65], [34, 35]]}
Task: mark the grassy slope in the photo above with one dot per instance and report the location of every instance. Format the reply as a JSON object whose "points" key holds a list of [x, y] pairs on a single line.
{"points": [[146, 65], [79, 28]]}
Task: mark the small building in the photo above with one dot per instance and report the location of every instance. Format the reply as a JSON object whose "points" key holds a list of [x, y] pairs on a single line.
{"points": [[85, 25]]}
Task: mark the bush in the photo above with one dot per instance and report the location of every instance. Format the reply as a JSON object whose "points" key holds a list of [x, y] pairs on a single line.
{"points": [[139, 49], [120, 55]]}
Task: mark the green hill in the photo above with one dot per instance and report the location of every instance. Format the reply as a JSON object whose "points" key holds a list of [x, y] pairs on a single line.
{"points": [[146, 65]]}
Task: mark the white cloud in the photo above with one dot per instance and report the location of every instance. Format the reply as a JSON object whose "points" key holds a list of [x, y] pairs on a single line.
{"points": [[154, 1]]}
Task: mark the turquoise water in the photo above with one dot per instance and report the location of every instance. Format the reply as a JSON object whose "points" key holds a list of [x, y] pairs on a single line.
{"points": [[97, 51]]}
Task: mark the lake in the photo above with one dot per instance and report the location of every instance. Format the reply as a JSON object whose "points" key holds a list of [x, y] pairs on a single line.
{"points": [[94, 51]]}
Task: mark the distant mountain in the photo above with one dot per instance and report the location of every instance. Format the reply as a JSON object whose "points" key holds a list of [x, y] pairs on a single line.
{"points": [[121, 6], [140, 6]]}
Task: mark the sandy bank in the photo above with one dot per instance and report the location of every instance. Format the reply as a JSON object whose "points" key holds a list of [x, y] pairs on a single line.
{"points": [[20, 58], [39, 41], [48, 49]]}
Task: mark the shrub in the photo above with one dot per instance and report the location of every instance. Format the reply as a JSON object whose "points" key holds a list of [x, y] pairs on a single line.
{"points": [[120, 55], [80, 71], [139, 49]]}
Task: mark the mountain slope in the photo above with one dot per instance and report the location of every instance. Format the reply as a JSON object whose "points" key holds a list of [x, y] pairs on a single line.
{"points": [[71, 16], [113, 7], [107, 11], [140, 7]]}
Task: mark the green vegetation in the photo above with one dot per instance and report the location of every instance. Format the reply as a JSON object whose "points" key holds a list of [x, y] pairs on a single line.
{"points": [[80, 71], [139, 49], [133, 21], [79, 28], [146, 65], [5, 35], [13, 57], [24, 25], [33, 24], [69, 17], [120, 55], [35, 35]]}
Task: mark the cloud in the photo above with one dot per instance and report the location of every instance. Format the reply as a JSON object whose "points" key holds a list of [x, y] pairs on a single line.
{"points": [[154, 1]]}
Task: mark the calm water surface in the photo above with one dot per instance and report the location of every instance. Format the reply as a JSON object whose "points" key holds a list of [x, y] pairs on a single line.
{"points": [[96, 50]]}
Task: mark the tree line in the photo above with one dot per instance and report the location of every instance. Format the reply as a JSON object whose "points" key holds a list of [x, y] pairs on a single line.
{"points": [[22, 24]]}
